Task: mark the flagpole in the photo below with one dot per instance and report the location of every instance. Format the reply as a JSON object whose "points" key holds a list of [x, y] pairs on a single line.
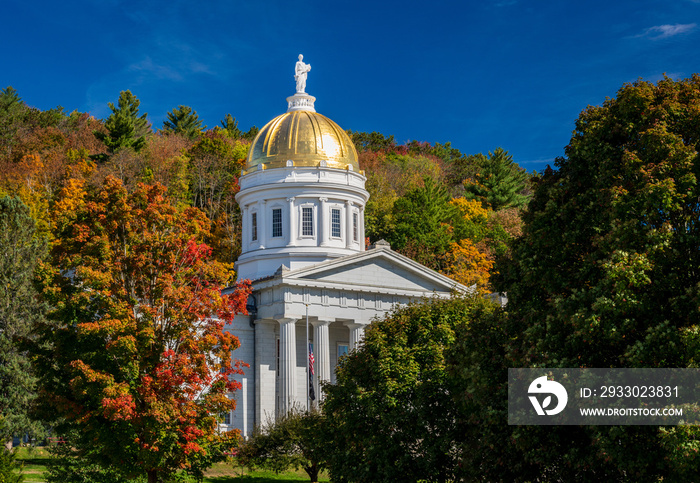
{"points": [[308, 401]]}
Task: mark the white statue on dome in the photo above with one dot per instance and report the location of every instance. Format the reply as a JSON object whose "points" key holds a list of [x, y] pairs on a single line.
{"points": [[300, 72]]}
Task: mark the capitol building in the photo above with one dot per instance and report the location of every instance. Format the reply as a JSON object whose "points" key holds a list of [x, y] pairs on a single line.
{"points": [[302, 198]]}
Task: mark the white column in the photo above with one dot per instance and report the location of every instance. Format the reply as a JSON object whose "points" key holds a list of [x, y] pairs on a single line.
{"points": [[361, 228], [288, 363], [245, 230], [322, 223], [322, 356], [262, 224], [292, 222], [357, 332], [348, 224], [265, 370], [244, 404]]}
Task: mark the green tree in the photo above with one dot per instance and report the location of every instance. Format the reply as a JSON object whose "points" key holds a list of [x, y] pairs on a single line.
{"points": [[290, 441], [250, 134], [606, 273], [230, 125], [477, 369], [184, 121], [10, 468], [423, 220], [70, 464], [9, 99], [12, 110], [500, 183], [374, 141], [20, 311], [390, 416], [215, 162], [125, 128]]}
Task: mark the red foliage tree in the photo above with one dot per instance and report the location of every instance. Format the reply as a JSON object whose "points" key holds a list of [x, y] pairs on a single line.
{"points": [[135, 355]]}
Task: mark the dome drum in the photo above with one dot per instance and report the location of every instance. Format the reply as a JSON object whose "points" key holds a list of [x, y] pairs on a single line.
{"points": [[302, 195]]}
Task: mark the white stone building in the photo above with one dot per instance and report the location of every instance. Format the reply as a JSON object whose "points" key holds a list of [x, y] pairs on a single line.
{"points": [[303, 246]]}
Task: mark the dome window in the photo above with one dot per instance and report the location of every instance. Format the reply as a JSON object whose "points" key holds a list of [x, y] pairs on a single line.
{"points": [[254, 226], [335, 223], [277, 222], [307, 221], [355, 235]]}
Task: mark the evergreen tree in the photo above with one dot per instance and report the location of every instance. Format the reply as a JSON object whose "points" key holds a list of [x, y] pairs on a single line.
{"points": [[125, 128], [374, 141], [19, 312], [9, 99], [11, 110], [230, 125], [251, 133], [185, 121], [499, 183], [423, 223], [10, 468]]}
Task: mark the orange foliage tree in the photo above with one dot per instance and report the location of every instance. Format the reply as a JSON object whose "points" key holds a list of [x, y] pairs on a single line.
{"points": [[134, 355]]}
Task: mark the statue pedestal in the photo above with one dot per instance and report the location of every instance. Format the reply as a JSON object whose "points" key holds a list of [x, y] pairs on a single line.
{"points": [[301, 102]]}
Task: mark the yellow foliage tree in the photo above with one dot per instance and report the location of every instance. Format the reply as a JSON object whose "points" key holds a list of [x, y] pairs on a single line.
{"points": [[469, 265], [471, 210]]}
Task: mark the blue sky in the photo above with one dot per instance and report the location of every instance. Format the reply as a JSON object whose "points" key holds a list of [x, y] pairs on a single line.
{"points": [[481, 74]]}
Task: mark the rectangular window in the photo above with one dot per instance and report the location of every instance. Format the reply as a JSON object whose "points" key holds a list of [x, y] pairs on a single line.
{"points": [[277, 222], [307, 222], [254, 226], [335, 223], [227, 417], [355, 234]]}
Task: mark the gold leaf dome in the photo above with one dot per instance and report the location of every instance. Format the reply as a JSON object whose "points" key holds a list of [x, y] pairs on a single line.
{"points": [[303, 136]]}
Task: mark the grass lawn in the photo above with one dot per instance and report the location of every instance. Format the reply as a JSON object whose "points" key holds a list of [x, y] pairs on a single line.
{"points": [[35, 463]]}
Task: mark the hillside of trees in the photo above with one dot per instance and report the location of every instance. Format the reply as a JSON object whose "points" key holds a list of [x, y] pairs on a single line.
{"points": [[119, 238], [450, 211]]}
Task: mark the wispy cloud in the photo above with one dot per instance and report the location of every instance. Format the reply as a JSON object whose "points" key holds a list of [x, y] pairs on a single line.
{"points": [[665, 31], [159, 71]]}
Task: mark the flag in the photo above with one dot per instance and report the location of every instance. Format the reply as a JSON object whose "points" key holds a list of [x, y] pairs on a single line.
{"points": [[312, 394]]}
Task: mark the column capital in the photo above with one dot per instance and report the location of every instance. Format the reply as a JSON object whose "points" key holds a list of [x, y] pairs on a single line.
{"points": [[357, 333], [287, 320], [323, 199], [318, 322], [291, 199]]}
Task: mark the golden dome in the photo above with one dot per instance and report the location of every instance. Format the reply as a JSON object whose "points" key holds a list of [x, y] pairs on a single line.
{"points": [[305, 137]]}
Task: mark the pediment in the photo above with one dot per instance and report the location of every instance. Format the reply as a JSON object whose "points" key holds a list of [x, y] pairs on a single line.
{"points": [[381, 269]]}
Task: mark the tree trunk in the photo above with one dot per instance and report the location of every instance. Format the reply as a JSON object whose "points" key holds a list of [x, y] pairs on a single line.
{"points": [[152, 476], [312, 471]]}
